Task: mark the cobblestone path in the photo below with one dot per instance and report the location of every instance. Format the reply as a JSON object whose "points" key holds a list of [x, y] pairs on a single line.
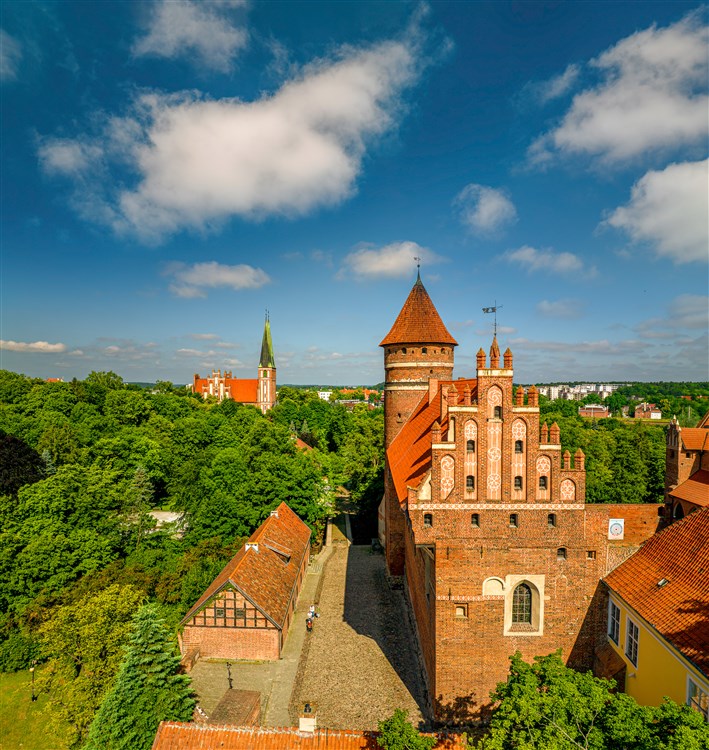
{"points": [[360, 661]]}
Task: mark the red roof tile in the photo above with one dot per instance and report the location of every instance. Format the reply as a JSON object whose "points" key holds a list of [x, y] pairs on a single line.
{"points": [[174, 735], [418, 322], [679, 609], [410, 452], [695, 438], [264, 576], [695, 489]]}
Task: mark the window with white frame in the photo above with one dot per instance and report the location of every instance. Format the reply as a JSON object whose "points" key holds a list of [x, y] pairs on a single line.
{"points": [[613, 622], [631, 642], [697, 698]]}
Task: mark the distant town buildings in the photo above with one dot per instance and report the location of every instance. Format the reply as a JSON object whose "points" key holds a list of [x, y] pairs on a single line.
{"points": [[259, 392], [595, 411], [577, 392], [647, 411]]}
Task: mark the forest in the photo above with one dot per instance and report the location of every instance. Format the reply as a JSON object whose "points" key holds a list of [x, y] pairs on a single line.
{"points": [[83, 464]]}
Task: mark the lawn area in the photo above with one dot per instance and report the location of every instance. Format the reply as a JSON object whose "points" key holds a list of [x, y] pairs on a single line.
{"points": [[24, 724]]}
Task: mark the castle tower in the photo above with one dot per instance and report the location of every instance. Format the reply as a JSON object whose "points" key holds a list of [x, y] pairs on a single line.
{"points": [[417, 349], [418, 353], [266, 371]]}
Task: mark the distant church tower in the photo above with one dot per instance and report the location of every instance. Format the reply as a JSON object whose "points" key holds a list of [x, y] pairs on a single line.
{"points": [[266, 371], [418, 353]]}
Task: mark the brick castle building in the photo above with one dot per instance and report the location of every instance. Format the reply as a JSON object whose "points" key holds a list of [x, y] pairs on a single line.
{"points": [[485, 518], [259, 392]]}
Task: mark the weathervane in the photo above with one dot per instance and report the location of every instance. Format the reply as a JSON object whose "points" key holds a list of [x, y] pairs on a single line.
{"points": [[418, 267], [494, 310]]}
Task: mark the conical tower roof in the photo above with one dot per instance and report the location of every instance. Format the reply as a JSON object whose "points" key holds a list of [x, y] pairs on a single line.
{"points": [[267, 358], [418, 322]]}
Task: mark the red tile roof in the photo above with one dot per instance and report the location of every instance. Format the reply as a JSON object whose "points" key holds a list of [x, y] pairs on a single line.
{"points": [[695, 489], [418, 322], [679, 609], [263, 576], [410, 452], [244, 391], [695, 438], [174, 735]]}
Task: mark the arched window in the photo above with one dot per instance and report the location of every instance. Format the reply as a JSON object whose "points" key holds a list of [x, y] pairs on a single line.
{"points": [[551, 519], [519, 446], [522, 605], [561, 553], [518, 483], [470, 446], [475, 520], [679, 511], [403, 351], [498, 412], [514, 520], [542, 483], [424, 350], [470, 483], [428, 520]]}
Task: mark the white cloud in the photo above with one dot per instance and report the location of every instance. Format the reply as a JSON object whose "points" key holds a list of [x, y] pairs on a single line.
{"points": [[60, 156], [199, 162], [670, 210], [558, 85], [203, 29], [561, 308], [546, 260], [483, 209], [42, 347], [686, 312], [191, 281], [203, 336], [395, 260], [603, 346], [651, 97], [10, 56]]}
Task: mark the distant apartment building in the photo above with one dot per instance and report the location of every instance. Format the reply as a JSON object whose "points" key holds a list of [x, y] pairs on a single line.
{"points": [[324, 395]]}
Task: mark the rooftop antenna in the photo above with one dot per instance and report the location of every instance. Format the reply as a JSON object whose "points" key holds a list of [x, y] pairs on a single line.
{"points": [[418, 267], [493, 310]]}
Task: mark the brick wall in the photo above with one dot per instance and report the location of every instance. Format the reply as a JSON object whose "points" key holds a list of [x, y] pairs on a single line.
{"points": [[233, 643]]}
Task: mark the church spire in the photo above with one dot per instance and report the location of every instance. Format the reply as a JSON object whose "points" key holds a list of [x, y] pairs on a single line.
{"points": [[267, 358]]}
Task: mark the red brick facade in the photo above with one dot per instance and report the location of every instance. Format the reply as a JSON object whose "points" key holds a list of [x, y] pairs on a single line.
{"points": [[486, 517]]}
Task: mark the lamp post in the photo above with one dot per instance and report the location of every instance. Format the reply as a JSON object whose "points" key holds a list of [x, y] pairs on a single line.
{"points": [[34, 663]]}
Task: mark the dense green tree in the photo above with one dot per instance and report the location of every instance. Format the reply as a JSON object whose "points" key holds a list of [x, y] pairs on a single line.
{"points": [[547, 706], [19, 464], [398, 733], [147, 690], [83, 644]]}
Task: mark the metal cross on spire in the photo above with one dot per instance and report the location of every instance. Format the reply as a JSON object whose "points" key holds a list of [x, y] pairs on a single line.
{"points": [[493, 310]]}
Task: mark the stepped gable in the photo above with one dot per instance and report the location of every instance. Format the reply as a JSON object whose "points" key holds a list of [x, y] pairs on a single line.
{"points": [[267, 575], [677, 609], [418, 322], [695, 489], [409, 454]]}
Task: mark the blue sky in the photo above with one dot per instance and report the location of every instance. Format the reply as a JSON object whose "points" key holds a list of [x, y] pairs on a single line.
{"points": [[172, 170]]}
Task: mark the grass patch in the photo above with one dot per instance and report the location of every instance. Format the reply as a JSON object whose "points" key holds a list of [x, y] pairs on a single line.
{"points": [[23, 724]]}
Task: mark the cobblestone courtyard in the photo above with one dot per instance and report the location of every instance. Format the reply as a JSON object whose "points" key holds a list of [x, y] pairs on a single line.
{"points": [[359, 664]]}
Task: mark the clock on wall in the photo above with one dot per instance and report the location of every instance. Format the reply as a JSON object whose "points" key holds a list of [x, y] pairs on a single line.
{"points": [[616, 528]]}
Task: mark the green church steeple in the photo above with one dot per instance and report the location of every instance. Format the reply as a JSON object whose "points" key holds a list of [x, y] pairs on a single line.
{"points": [[267, 358]]}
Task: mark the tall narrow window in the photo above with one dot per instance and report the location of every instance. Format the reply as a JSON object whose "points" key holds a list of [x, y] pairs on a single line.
{"points": [[424, 350], [470, 446], [613, 622], [522, 604], [631, 642], [470, 483], [518, 483], [551, 519], [561, 553], [498, 412], [428, 520], [519, 446], [475, 520], [543, 483], [514, 520]]}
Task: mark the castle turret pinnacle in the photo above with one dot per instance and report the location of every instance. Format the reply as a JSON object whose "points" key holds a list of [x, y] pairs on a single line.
{"points": [[494, 354], [418, 322]]}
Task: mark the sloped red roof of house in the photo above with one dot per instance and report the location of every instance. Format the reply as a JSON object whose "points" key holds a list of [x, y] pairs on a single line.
{"points": [[267, 575], [174, 735], [678, 609], [695, 489], [410, 452], [418, 322], [695, 438]]}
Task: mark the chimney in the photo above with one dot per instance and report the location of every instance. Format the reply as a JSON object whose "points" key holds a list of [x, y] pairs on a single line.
{"points": [[307, 723], [432, 388]]}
